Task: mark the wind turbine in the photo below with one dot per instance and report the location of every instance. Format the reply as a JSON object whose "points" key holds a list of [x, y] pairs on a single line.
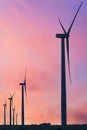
{"points": [[63, 37], [23, 85], [10, 101], [5, 105], [13, 115]]}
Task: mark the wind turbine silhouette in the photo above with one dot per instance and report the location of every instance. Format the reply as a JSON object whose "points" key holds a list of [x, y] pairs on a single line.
{"points": [[13, 115], [22, 107], [11, 101], [5, 105], [64, 36]]}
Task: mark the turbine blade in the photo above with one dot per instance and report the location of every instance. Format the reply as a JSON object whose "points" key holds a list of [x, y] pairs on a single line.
{"points": [[5, 103], [67, 46], [74, 18], [11, 101], [25, 80], [25, 86], [62, 26], [13, 95], [10, 94]]}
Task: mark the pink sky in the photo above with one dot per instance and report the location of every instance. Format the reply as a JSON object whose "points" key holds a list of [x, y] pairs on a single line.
{"points": [[27, 37]]}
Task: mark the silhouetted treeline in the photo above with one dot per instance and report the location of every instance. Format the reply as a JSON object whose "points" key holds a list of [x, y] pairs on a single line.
{"points": [[44, 126]]}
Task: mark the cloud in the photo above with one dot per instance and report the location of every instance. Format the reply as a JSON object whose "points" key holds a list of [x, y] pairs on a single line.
{"points": [[77, 117], [81, 117], [41, 80], [78, 114], [22, 3]]}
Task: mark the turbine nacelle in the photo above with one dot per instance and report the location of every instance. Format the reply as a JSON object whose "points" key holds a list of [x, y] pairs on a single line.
{"points": [[21, 84], [10, 98], [4, 105], [66, 35]]}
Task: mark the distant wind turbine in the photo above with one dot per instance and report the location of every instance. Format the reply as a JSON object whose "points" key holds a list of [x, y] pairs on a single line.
{"points": [[13, 115], [23, 85], [5, 105], [10, 101], [63, 37]]}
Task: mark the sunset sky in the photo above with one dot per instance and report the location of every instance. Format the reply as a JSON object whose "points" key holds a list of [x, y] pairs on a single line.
{"points": [[27, 40]]}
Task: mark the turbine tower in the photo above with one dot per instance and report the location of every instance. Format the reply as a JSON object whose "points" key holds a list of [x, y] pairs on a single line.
{"points": [[13, 115], [10, 113], [5, 105], [23, 85], [63, 37]]}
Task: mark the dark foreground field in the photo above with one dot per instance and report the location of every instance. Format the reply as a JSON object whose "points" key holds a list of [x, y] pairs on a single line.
{"points": [[43, 127]]}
